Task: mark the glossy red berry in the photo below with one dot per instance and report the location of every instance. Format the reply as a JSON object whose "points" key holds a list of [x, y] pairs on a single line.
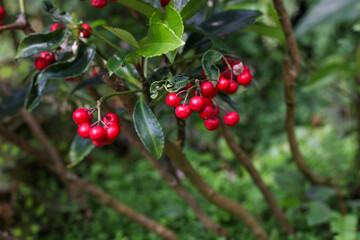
{"points": [[49, 56], [215, 92], [84, 33], [196, 103], [98, 143], [203, 74], [111, 117], [231, 119], [112, 132], [97, 133], [233, 88], [164, 3], [216, 111], [2, 13], [246, 69], [41, 63], [84, 129], [80, 116], [207, 89], [183, 111], [244, 78], [56, 26], [173, 100], [226, 73], [207, 101], [99, 3], [211, 124], [223, 84], [206, 112], [112, 0]]}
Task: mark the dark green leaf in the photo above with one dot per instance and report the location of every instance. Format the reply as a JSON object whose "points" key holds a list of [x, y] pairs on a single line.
{"points": [[123, 35], [35, 92], [13, 104], [208, 62], [318, 213], [155, 87], [177, 82], [79, 149], [191, 8], [228, 100], [320, 193], [40, 42], [139, 6], [148, 128], [90, 82]]}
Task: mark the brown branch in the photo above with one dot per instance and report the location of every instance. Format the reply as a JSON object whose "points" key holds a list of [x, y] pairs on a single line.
{"points": [[291, 68], [87, 187], [21, 23], [245, 160], [174, 152]]}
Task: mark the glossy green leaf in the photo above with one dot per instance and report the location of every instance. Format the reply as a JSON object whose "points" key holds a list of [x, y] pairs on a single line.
{"points": [[209, 60], [191, 8], [171, 55], [40, 42], [160, 40], [328, 12], [123, 35], [59, 70], [177, 82], [13, 103], [228, 100], [79, 149], [344, 226], [118, 61], [148, 128], [318, 213], [140, 7], [174, 21]]}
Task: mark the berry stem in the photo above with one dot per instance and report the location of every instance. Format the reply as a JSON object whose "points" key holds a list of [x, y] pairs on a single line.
{"points": [[229, 66], [223, 108], [180, 92], [22, 6], [186, 96], [98, 106]]}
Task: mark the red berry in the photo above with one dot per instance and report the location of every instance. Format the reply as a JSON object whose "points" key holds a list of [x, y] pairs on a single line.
{"points": [[211, 124], [203, 74], [111, 117], [112, 132], [231, 119], [207, 100], [226, 73], [233, 88], [173, 100], [49, 56], [246, 69], [69, 79], [56, 26], [206, 112], [99, 3], [2, 13], [215, 92], [196, 103], [216, 111], [229, 60], [223, 84], [80, 116], [97, 133], [244, 78], [83, 130], [98, 143], [164, 2], [84, 33], [41, 63], [207, 89], [183, 111], [112, 0]]}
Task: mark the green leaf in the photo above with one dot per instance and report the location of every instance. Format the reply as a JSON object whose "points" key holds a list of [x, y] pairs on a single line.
{"points": [[322, 78], [318, 213], [160, 40], [139, 6], [79, 149], [174, 21], [155, 87], [328, 12], [171, 55], [177, 82], [12, 104], [148, 128], [123, 35], [191, 8], [345, 227], [320, 193], [268, 31], [90, 82], [118, 61], [41, 42], [59, 70], [228, 100], [208, 62]]}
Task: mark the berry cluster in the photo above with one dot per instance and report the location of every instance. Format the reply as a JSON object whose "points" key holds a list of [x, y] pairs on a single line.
{"points": [[204, 91], [100, 3], [44, 60], [2, 16], [99, 135]]}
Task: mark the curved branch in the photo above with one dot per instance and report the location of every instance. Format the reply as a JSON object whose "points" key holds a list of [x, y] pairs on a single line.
{"points": [[20, 23]]}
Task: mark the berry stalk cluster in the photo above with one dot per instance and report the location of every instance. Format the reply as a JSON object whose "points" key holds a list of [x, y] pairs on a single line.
{"points": [[99, 135], [204, 91]]}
